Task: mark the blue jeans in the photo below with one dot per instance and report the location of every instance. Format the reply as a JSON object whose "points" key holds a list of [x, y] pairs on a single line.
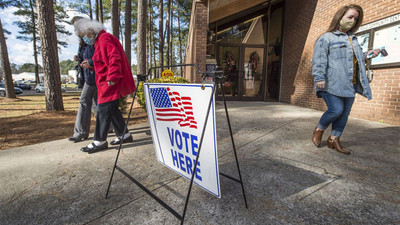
{"points": [[337, 113]]}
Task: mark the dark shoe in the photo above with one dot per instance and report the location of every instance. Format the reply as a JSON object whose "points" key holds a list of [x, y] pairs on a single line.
{"points": [[317, 137], [126, 140], [335, 144], [95, 148], [78, 139]]}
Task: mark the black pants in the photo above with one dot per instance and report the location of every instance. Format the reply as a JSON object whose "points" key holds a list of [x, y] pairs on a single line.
{"points": [[108, 113]]}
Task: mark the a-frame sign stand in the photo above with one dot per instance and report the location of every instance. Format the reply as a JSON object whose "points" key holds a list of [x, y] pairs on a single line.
{"points": [[181, 217]]}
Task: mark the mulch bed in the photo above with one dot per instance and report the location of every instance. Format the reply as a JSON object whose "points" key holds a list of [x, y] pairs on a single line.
{"points": [[46, 126]]}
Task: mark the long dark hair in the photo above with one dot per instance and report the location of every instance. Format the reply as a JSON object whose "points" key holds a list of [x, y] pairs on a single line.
{"points": [[340, 13]]}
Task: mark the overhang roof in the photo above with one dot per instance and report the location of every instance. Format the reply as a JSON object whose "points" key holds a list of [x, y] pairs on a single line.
{"points": [[219, 9]]}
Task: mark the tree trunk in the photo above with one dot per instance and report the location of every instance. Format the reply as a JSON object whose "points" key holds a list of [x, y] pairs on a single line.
{"points": [[154, 55], [149, 39], [35, 52], [97, 9], [141, 36], [180, 41], [114, 18], [101, 11], [148, 61], [51, 68], [168, 30], [119, 23], [5, 65], [160, 34], [90, 9], [153, 43], [171, 30], [128, 30]]}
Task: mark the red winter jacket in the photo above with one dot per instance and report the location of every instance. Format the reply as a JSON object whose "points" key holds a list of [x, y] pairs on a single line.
{"points": [[111, 64]]}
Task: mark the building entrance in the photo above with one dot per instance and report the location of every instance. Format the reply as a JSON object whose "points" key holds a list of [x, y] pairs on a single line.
{"points": [[243, 66], [247, 47]]}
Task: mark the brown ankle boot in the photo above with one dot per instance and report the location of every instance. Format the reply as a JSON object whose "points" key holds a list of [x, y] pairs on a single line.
{"points": [[335, 144], [317, 136]]}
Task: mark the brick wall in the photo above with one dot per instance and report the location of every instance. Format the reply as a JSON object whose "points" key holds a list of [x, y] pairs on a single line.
{"points": [[305, 21], [197, 47], [201, 27]]}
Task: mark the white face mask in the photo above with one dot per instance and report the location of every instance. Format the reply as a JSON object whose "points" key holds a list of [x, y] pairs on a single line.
{"points": [[346, 24]]}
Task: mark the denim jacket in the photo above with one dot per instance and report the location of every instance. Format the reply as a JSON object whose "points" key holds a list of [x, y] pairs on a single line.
{"points": [[333, 62]]}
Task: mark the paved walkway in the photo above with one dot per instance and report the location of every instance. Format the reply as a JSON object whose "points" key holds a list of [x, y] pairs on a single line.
{"points": [[287, 179]]}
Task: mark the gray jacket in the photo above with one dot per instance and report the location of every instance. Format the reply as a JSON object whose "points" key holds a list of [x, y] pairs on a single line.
{"points": [[333, 62]]}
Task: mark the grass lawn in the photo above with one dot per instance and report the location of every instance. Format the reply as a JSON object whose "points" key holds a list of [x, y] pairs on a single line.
{"points": [[69, 85], [25, 105], [25, 121]]}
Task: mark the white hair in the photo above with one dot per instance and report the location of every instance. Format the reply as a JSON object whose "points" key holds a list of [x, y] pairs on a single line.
{"points": [[87, 26]]}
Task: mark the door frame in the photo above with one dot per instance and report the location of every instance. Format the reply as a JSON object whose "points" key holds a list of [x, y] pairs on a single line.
{"points": [[241, 61]]}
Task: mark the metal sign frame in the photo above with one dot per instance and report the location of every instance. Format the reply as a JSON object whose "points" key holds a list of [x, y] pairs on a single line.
{"points": [[181, 217]]}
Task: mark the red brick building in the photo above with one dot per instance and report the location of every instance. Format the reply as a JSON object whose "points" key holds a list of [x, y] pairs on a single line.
{"points": [[265, 48]]}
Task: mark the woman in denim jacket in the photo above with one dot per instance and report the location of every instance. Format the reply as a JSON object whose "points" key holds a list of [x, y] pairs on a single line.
{"points": [[338, 68]]}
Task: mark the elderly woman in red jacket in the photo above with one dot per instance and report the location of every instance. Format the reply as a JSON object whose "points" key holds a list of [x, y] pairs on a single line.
{"points": [[113, 79]]}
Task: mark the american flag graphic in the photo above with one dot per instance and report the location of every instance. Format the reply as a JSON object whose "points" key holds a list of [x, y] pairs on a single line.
{"points": [[170, 106]]}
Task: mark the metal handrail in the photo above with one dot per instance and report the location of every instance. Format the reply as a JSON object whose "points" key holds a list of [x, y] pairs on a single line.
{"points": [[179, 65], [144, 77]]}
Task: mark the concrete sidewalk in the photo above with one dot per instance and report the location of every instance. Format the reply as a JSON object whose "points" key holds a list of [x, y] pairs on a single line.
{"points": [[287, 179]]}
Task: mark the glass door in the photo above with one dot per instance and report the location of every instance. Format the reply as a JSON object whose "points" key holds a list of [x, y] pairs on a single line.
{"points": [[228, 58], [244, 70], [253, 73]]}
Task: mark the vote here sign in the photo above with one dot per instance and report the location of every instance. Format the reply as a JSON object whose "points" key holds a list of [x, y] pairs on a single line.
{"points": [[176, 115]]}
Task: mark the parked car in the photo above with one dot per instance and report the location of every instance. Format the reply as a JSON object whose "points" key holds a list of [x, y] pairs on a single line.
{"points": [[30, 82], [3, 90], [40, 88], [23, 86]]}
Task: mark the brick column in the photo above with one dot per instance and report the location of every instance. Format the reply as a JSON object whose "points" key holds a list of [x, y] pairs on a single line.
{"points": [[200, 39], [197, 41]]}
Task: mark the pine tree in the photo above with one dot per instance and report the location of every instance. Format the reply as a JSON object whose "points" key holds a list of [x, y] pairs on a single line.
{"points": [[5, 65], [128, 30], [161, 33], [90, 9], [168, 30], [141, 36], [29, 28], [51, 68], [115, 18]]}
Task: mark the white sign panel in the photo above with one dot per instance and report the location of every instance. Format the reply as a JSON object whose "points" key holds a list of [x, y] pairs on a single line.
{"points": [[176, 115], [389, 39]]}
